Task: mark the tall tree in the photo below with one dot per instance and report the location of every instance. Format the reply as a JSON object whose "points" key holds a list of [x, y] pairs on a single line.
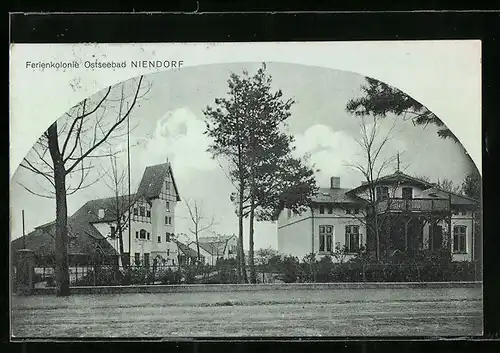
{"points": [[200, 222], [229, 131], [372, 142], [380, 99], [265, 153], [472, 185], [72, 142]]}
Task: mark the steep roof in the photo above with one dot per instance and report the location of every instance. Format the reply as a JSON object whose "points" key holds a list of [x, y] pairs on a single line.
{"points": [[332, 195], [186, 250], [83, 238], [90, 210], [153, 179], [215, 245]]}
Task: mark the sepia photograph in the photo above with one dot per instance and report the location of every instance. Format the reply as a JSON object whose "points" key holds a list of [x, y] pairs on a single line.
{"points": [[246, 199]]}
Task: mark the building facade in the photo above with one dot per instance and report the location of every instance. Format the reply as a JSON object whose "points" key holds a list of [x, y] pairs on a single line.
{"points": [[406, 214], [145, 220]]}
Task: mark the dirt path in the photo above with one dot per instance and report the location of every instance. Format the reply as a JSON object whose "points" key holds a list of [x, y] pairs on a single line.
{"points": [[358, 312]]}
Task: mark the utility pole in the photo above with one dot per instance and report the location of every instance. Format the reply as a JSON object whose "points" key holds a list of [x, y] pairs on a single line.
{"points": [[24, 234], [129, 198]]}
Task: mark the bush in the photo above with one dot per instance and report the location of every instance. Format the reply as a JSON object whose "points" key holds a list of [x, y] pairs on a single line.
{"points": [[168, 276]]}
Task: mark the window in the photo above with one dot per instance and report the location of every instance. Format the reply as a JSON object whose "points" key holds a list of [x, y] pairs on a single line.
{"points": [[137, 259], [137, 235], [148, 213], [167, 204], [382, 193], [325, 238], [459, 239], [159, 239], [167, 238], [113, 232], [168, 220], [168, 252], [142, 211], [146, 260], [352, 238], [148, 235], [173, 262], [355, 210], [142, 234], [136, 213], [330, 210], [407, 193], [322, 209]]}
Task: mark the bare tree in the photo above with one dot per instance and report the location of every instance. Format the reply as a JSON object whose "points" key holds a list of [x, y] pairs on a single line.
{"points": [[72, 143], [116, 180], [372, 142], [200, 222]]}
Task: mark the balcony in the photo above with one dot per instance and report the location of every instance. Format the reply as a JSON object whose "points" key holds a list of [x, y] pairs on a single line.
{"points": [[422, 205]]}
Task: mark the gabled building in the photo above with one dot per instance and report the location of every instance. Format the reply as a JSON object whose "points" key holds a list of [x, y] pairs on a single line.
{"points": [[94, 228], [410, 214]]}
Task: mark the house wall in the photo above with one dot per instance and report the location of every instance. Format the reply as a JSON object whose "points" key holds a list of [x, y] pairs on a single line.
{"points": [[295, 231], [456, 220]]}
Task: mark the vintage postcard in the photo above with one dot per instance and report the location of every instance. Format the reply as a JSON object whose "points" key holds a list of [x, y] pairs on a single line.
{"points": [[295, 189]]}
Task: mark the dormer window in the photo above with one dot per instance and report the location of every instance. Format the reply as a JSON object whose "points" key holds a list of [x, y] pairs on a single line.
{"points": [[407, 193], [382, 193], [322, 209], [142, 211], [101, 213]]}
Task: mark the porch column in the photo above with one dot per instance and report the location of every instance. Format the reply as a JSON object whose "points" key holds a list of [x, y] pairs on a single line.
{"points": [[25, 266]]}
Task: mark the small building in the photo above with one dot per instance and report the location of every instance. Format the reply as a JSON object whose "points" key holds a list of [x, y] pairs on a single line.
{"points": [[410, 215], [217, 247]]}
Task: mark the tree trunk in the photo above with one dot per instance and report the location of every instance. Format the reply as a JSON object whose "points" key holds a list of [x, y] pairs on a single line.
{"points": [[197, 243], [120, 241], [61, 239], [253, 277], [240, 231]]}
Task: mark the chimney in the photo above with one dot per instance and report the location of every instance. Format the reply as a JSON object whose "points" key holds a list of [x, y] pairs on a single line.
{"points": [[334, 183]]}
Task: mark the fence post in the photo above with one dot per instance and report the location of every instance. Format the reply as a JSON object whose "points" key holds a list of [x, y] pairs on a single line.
{"points": [[24, 271]]}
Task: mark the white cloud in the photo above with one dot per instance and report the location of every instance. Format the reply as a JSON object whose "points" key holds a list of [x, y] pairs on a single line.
{"points": [[331, 151]]}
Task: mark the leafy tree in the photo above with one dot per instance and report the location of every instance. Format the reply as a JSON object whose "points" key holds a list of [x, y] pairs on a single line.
{"points": [[472, 185], [380, 99]]}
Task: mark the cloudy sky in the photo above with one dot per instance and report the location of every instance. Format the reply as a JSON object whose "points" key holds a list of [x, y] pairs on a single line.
{"points": [[170, 124]]}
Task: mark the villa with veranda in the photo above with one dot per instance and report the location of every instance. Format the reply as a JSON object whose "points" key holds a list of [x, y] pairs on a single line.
{"points": [[93, 229], [411, 214]]}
